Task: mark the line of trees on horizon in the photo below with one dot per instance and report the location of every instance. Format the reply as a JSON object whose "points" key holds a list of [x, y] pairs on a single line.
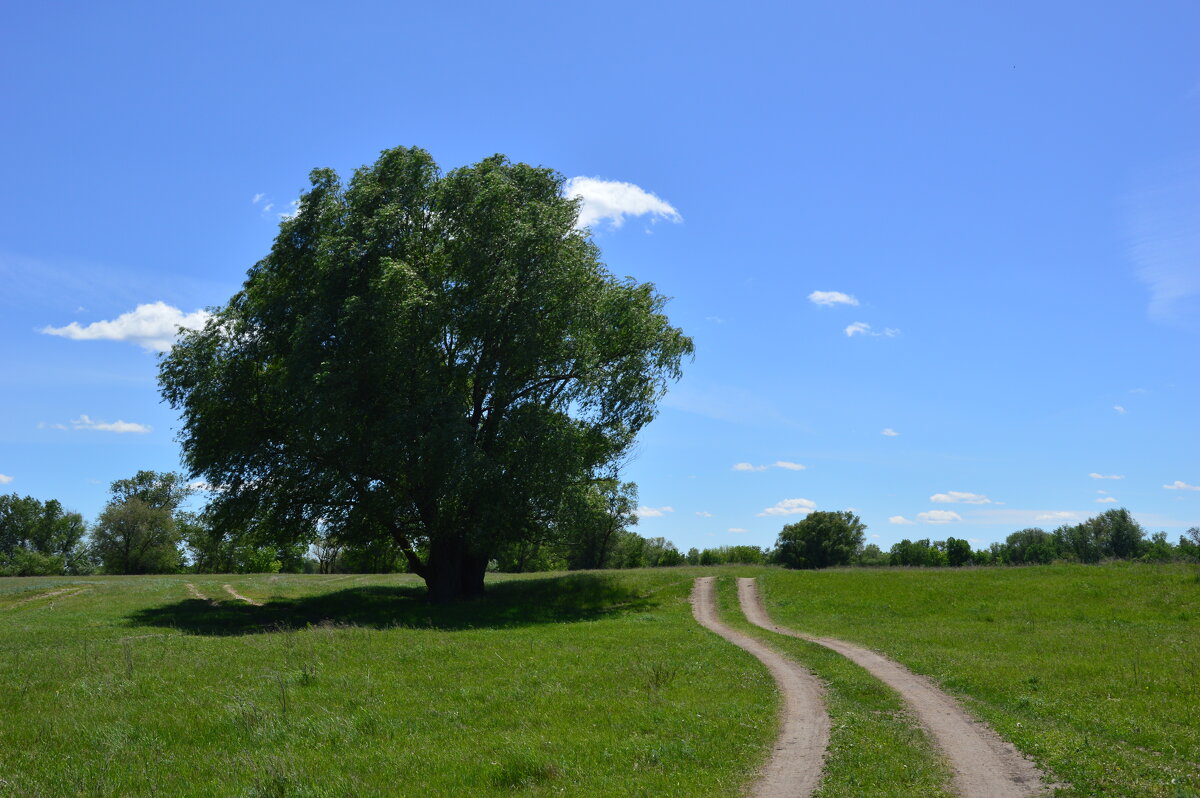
{"points": [[144, 529]]}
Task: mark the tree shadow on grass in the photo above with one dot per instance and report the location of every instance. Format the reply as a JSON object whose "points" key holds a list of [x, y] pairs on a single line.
{"points": [[576, 597]]}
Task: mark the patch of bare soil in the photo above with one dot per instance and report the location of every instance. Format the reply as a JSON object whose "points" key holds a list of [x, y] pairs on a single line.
{"points": [[794, 768], [984, 765], [229, 589]]}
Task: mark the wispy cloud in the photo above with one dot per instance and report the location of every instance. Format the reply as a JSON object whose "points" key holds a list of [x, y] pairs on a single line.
{"points": [[1164, 232], [784, 464], [1057, 515], [5, 479], [1094, 475], [704, 514], [654, 512], [154, 327], [790, 507], [888, 431], [1181, 485], [86, 422], [831, 298], [864, 329], [959, 497], [737, 530], [939, 517], [1106, 500], [1120, 409], [613, 200], [899, 519]]}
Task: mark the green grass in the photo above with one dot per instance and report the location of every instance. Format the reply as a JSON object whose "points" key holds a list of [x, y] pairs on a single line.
{"points": [[875, 746], [1093, 671], [595, 684]]}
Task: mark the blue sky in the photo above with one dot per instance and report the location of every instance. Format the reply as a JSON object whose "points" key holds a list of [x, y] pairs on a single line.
{"points": [[976, 227]]}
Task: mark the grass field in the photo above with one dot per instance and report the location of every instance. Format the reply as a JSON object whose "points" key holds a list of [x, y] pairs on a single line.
{"points": [[591, 684], [342, 686], [1094, 671]]}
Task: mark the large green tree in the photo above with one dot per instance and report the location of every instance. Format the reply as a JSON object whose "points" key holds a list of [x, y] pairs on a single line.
{"points": [[139, 531], [40, 538], [435, 358], [822, 539]]}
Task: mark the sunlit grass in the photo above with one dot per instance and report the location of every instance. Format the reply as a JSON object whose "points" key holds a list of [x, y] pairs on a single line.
{"points": [[1094, 671], [580, 685]]}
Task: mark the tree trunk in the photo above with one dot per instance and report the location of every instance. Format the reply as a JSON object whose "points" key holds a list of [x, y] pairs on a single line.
{"points": [[451, 573]]}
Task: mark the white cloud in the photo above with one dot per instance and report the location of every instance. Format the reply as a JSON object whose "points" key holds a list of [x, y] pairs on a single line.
{"points": [[614, 200], [785, 464], [1106, 500], [939, 517], [888, 431], [654, 512], [1094, 475], [153, 327], [1120, 409], [862, 328], [831, 298], [5, 479], [1057, 515], [257, 198], [789, 466], [704, 514], [899, 519], [44, 425], [715, 319], [737, 530], [959, 497], [790, 507], [1164, 236], [1181, 485], [748, 467], [84, 422]]}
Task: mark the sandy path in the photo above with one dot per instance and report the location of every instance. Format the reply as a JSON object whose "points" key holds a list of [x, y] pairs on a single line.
{"points": [[984, 765], [794, 768], [196, 594], [229, 589]]}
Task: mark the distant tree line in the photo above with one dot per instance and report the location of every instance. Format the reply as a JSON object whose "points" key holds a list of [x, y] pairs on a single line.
{"points": [[144, 529]]}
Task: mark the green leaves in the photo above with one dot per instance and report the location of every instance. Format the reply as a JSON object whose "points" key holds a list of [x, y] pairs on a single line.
{"points": [[443, 355]]}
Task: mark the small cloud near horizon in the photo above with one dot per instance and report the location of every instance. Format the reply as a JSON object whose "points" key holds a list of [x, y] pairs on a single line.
{"points": [[1181, 485], [5, 479], [704, 514], [959, 497], [654, 512], [888, 431], [939, 517], [86, 422], [1094, 475], [899, 519]]}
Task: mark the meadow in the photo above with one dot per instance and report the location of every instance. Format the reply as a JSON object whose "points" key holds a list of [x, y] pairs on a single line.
{"points": [[596, 683]]}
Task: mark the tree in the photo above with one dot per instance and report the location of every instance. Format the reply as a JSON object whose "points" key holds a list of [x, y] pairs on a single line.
{"points": [[958, 552], [139, 531], [822, 539], [40, 538], [437, 359]]}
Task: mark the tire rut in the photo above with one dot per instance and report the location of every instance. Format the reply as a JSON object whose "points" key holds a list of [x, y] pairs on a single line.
{"points": [[794, 769], [984, 765], [229, 589]]}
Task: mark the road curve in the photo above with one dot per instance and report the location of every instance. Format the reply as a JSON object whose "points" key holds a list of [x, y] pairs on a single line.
{"points": [[984, 765], [794, 769]]}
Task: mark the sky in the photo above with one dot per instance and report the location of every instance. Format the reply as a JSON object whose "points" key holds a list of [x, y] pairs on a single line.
{"points": [[941, 261]]}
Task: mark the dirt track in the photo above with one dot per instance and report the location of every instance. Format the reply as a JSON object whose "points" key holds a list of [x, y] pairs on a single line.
{"points": [[794, 768], [229, 589], [984, 765]]}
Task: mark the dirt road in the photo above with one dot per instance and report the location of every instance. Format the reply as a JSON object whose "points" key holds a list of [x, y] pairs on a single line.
{"points": [[794, 769], [984, 765]]}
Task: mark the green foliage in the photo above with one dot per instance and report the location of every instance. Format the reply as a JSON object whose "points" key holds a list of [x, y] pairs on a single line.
{"points": [[462, 358], [41, 538], [1030, 546], [872, 557], [822, 539], [920, 553], [139, 531]]}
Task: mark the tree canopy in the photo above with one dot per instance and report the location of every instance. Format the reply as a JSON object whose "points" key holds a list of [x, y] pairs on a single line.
{"points": [[440, 359], [822, 539]]}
